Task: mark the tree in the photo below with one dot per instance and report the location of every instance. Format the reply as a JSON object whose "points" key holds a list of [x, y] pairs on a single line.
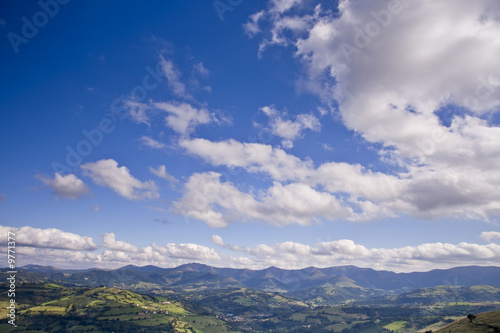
{"points": [[471, 317]]}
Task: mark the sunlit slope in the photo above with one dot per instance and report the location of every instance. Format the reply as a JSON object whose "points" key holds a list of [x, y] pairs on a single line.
{"points": [[54, 308], [483, 323]]}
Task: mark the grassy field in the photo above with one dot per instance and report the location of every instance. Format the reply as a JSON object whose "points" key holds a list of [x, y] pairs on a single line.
{"points": [[483, 323], [53, 308], [338, 328], [396, 326]]}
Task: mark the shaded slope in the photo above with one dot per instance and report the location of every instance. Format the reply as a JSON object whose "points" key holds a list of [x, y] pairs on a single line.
{"points": [[484, 323]]}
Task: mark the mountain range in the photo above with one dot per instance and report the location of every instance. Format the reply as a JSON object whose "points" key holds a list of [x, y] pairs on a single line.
{"points": [[272, 278]]}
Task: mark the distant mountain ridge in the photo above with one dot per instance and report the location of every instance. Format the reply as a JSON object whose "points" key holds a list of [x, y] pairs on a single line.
{"points": [[273, 278]]}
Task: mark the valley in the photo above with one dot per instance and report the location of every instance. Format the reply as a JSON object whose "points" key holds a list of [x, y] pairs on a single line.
{"points": [[199, 298]]}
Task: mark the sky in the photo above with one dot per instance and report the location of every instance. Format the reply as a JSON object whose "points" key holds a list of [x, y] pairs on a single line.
{"points": [[238, 133]]}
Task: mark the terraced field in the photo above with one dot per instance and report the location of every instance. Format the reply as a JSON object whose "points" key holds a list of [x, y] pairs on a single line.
{"points": [[53, 308]]}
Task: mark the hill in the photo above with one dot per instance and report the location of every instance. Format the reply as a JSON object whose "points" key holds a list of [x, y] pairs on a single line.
{"points": [[49, 307], [54, 308], [483, 323], [443, 294], [337, 293]]}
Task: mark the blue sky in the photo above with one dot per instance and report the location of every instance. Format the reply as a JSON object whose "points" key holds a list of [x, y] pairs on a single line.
{"points": [[291, 133]]}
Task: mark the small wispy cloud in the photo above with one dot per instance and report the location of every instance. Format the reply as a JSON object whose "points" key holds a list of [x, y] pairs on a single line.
{"points": [[69, 186], [151, 143], [201, 70], [183, 118], [173, 75], [138, 112], [289, 128], [161, 172]]}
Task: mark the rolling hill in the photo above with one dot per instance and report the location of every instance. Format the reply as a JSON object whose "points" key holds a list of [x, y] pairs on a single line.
{"points": [[443, 294], [484, 323], [54, 308]]}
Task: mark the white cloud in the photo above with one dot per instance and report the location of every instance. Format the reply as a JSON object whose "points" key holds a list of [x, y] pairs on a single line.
{"points": [[183, 118], [49, 238], [138, 112], [490, 235], [254, 157], [216, 203], [374, 194], [161, 172], [280, 23], [3, 197], [420, 192], [109, 241], [69, 186], [322, 111], [381, 82], [201, 69], [287, 144], [281, 6], [152, 143], [187, 251], [289, 129], [341, 252], [252, 26], [68, 250], [217, 240], [57, 258], [390, 67], [327, 147], [107, 173], [173, 77], [168, 255]]}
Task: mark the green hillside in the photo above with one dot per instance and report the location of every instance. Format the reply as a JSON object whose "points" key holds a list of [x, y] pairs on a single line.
{"points": [[339, 293], [443, 294], [53, 308], [483, 323]]}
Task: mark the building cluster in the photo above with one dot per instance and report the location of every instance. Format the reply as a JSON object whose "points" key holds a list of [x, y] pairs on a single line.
{"points": [[155, 309], [230, 317]]}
